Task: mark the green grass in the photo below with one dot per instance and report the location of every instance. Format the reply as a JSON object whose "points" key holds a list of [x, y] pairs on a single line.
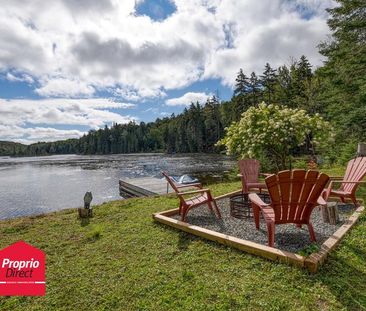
{"points": [[124, 260]]}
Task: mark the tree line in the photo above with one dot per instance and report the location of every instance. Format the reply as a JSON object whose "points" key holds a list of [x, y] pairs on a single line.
{"points": [[337, 91], [196, 129]]}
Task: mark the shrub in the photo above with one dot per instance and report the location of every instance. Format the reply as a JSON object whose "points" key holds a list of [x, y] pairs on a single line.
{"points": [[272, 131]]}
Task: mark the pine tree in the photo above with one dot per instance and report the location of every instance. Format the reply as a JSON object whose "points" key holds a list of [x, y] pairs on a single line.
{"points": [[283, 86], [344, 73], [242, 85], [213, 126], [268, 80], [304, 69], [301, 83], [255, 88]]}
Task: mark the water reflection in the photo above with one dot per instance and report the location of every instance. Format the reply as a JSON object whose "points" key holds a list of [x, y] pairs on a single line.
{"points": [[30, 186]]}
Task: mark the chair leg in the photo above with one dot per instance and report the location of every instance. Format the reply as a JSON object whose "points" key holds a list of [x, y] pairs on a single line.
{"points": [[216, 208], [184, 212], [271, 233], [182, 215], [311, 232], [256, 211], [354, 200], [342, 199], [210, 206]]}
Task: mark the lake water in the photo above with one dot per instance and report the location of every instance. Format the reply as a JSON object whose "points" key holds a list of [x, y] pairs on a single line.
{"points": [[31, 186]]}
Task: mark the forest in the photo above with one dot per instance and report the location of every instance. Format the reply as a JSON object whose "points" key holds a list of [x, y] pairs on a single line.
{"points": [[336, 91]]}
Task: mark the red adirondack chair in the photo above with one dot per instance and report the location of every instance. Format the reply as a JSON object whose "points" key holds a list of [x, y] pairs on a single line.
{"points": [[355, 172], [203, 197], [293, 194], [249, 174]]}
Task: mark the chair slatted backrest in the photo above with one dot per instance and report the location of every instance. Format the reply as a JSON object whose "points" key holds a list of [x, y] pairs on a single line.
{"points": [[356, 171], [170, 181], [249, 168], [294, 194]]}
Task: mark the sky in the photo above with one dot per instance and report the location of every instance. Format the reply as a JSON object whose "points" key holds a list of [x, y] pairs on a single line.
{"points": [[69, 66]]}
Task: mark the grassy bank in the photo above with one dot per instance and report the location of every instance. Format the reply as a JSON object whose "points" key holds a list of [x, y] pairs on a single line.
{"points": [[123, 260]]}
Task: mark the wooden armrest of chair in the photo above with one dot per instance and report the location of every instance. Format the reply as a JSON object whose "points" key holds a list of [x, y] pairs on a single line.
{"points": [[193, 191], [199, 185], [326, 192], [348, 181], [265, 174], [257, 200], [321, 201]]}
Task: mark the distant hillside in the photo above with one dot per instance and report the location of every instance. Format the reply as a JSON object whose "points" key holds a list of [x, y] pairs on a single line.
{"points": [[68, 146], [9, 148]]}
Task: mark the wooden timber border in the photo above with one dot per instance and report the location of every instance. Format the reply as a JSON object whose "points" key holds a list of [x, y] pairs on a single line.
{"points": [[312, 262]]}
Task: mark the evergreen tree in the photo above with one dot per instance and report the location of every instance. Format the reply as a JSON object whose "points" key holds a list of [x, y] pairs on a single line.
{"points": [[242, 85], [268, 80], [198, 128], [212, 124], [283, 87], [344, 72], [304, 69], [302, 88], [255, 88]]}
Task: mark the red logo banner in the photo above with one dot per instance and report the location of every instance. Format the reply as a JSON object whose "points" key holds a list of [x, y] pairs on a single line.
{"points": [[22, 270]]}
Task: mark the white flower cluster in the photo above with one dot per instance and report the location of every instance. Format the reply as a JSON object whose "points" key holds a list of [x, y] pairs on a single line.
{"points": [[276, 129]]}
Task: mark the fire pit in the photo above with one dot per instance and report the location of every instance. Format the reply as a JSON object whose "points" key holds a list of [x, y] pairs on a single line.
{"points": [[241, 206]]}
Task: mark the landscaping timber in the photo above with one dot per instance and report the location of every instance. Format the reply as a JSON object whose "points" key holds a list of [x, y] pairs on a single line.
{"points": [[312, 262]]}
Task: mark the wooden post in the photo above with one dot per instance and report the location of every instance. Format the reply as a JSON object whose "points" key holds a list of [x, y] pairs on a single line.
{"points": [[330, 213], [83, 212], [87, 211], [325, 214], [361, 149]]}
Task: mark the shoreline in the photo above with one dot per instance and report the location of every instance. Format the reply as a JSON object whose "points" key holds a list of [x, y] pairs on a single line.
{"points": [[128, 261]]}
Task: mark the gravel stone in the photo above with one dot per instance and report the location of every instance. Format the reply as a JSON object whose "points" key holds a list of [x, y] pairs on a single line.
{"points": [[288, 237]]}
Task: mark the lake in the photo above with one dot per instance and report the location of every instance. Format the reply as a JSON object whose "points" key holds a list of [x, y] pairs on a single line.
{"points": [[36, 185]]}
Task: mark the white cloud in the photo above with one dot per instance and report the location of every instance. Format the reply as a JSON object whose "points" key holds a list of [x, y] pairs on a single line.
{"points": [[36, 134], [19, 78], [19, 116], [187, 99], [267, 31], [165, 114], [75, 49], [89, 112], [306, 7], [152, 110], [137, 95], [100, 45], [61, 87]]}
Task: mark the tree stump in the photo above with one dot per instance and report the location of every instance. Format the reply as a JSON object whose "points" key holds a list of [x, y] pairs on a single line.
{"points": [[330, 213], [361, 149], [83, 212]]}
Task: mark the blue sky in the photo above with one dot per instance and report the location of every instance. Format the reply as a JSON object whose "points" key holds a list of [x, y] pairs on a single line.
{"points": [[108, 61]]}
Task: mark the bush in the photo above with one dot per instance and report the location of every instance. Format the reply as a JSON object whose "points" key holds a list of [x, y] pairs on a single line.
{"points": [[271, 132], [300, 163], [341, 153]]}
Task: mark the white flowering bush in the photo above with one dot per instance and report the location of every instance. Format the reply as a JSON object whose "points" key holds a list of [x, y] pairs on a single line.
{"points": [[272, 131]]}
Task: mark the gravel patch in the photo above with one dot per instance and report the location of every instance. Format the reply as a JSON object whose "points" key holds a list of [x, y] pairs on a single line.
{"points": [[288, 237]]}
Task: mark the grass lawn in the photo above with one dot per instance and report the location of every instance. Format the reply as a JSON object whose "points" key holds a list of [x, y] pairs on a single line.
{"points": [[124, 260]]}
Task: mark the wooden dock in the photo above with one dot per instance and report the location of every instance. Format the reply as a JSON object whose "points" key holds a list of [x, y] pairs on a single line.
{"points": [[143, 187]]}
